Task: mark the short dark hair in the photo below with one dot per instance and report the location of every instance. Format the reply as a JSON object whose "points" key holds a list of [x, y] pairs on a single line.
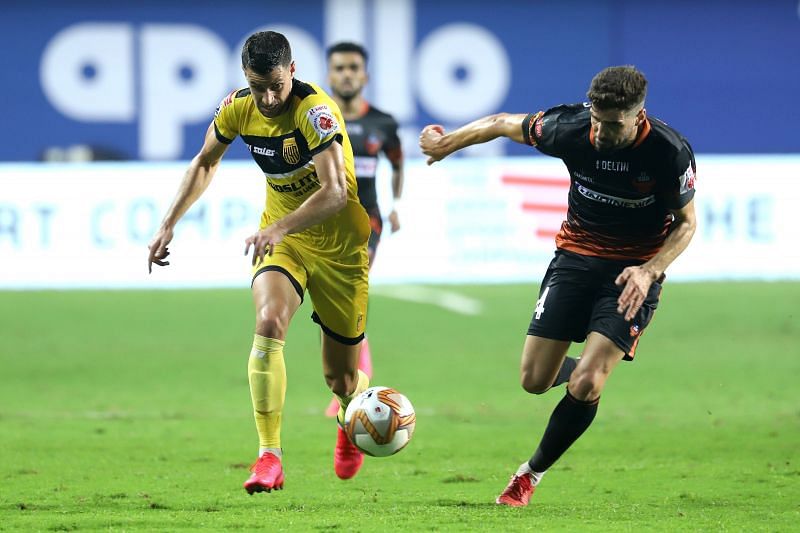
{"points": [[347, 46], [622, 88], [266, 50]]}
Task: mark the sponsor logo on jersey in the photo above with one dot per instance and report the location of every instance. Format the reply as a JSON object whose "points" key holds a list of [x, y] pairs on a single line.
{"points": [[323, 121], [299, 187], [317, 109], [616, 201], [687, 180], [291, 152], [269, 152], [614, 166]]}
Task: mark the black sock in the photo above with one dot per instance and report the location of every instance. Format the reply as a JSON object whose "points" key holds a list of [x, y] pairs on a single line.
{"points": [[569, 420], [565, 371]]}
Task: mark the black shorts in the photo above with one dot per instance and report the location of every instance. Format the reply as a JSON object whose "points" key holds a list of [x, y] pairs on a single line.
{"points": [[578, 295], [376, 225]]}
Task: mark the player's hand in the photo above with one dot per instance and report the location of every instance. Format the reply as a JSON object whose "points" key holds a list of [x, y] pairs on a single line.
{"points": [[430, 142], [637, 281], [158, 249], [394, 220], [264, 241]]}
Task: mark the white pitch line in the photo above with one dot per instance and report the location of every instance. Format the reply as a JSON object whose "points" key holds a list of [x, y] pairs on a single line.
{"points": [[452, 301]]}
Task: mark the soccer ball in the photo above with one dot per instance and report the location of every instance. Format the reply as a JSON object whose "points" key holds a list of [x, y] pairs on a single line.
{"points": [[380, 421]]}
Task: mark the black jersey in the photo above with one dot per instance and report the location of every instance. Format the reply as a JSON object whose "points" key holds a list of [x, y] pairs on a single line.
{"points": [[619, 201], [373, 132]]}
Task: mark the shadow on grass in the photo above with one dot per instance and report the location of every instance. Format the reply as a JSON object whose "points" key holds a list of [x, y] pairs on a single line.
{"points": [[464, 504], [460, 479]]}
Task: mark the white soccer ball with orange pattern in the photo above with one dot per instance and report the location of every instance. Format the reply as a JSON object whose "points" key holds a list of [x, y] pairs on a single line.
{"points": [[380, 421]]}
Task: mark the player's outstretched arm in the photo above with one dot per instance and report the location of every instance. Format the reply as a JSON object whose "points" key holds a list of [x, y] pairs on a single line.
{"points": [[329, 199], [637, 279], [437, 144], [195, 181]]}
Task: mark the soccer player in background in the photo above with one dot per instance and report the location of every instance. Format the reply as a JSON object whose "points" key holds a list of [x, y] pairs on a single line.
{"points": [[630, 214], [371, 131], [312, 236]]}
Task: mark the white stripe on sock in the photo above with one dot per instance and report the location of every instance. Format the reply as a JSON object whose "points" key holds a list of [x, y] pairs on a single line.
{"points": [[277, 452]]}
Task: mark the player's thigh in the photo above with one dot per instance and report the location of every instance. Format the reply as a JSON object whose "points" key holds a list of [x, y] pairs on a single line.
{"points": [[599, 358], [607, 321], [278, 286], [541, 360], [339, 289], [566, 299]]}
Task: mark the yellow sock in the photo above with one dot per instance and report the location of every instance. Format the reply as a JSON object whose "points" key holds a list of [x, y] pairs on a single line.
{"points": [[344, 401], [267, 374]]}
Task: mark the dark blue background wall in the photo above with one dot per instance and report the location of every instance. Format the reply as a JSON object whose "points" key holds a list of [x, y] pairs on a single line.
{"points": [[725, 73]]}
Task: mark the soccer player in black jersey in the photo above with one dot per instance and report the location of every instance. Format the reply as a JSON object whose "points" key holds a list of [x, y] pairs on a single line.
{"points": [[371, 132], [630, 214]]}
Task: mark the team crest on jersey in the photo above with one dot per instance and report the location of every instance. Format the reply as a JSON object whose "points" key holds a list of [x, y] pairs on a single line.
{"points": [[291, 152], [643, 183], [323, 120], [634, 330], [372, 144]]}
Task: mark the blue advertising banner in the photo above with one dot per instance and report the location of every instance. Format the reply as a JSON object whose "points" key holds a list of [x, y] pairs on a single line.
{"points": [[141, 80]]}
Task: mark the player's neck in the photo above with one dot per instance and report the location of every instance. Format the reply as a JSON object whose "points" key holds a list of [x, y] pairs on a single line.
{"points": [[352, 108]]}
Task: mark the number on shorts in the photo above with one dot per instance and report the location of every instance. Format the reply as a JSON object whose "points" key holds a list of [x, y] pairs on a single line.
{"points": [[540, 303]]}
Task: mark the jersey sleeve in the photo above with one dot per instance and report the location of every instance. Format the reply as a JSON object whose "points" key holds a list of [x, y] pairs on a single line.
{"points": [[681, 179], [226, 123], [540, 130], [318, 122], [392, 147]]}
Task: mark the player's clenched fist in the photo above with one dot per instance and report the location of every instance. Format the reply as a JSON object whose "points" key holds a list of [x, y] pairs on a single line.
{"points": [[430, 142]]}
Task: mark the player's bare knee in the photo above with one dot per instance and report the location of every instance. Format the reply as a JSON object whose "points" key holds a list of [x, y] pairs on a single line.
{"points": [[536, 388], [271, 323], [586, 386], [534, 385]]}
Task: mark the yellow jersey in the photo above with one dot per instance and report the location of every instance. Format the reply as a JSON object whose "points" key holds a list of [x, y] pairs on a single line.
{"points": [[283, 148]]}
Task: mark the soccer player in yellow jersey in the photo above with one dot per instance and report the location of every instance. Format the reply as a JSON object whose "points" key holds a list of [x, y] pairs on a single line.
{"points": [[313, 236]]}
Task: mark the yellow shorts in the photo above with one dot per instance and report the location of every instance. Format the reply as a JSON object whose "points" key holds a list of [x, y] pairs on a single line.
{"points": [[338, 285]]}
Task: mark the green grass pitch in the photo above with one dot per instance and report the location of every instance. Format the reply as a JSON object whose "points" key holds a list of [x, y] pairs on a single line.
{"points": [[128, 410]]}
